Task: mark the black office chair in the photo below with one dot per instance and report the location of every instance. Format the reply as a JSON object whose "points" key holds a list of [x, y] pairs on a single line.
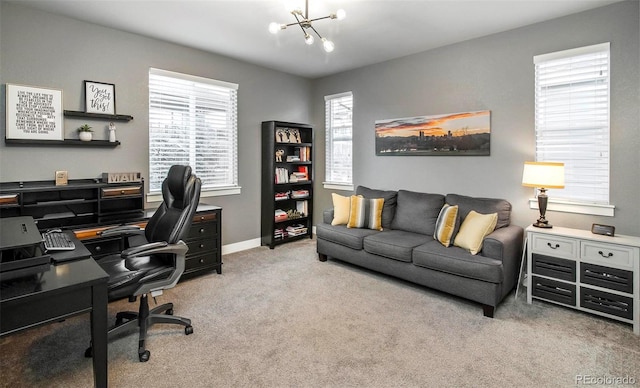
{"points": [[158, 263]]}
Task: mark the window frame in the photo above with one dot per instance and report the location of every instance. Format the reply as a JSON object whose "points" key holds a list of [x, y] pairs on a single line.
{"points": [[329, 183], [593, 205], [230, 109]]}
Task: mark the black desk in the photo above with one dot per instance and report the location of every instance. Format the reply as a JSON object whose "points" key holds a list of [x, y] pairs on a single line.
{"points": [[65, 290]]}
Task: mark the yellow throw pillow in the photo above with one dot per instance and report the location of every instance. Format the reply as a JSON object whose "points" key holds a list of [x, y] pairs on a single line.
{"points": [[341, 207], [365, 213], [446, 224], [474, 229]]}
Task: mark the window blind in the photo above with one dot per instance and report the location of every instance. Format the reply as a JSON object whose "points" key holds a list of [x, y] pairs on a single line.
{"points": [[192, 120], [339, 138], [572, 119]]}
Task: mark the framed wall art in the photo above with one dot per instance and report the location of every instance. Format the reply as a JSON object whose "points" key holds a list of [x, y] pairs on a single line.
{"points": [[99, 97], [452, 134], [34, 113]]}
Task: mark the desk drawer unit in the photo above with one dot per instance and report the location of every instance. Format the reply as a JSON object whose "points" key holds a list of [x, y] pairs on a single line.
{"points": [[204, 243], [588, 272]]}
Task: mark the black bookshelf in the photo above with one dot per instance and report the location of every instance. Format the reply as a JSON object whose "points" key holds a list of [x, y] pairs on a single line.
{"points": [[287, 182]]}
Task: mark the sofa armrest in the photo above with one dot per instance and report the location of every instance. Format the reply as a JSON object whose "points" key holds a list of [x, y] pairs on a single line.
{"points": [[505, 244], [327, 216]]}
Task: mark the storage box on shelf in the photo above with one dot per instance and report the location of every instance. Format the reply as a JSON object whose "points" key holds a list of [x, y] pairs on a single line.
{"points": [[287, 182], [588, 272]]}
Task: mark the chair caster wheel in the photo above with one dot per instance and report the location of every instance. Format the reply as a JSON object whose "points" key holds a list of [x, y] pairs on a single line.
{"points": [[188, 330], [89, 352], [169, 312], [144, 356]]}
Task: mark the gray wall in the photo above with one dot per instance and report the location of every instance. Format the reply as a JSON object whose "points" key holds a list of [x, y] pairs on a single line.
{"points": [[494, 73], [46, 50]]}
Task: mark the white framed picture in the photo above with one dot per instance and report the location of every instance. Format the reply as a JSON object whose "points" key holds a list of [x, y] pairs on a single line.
{"points": [[34, 113], [99, 97]]}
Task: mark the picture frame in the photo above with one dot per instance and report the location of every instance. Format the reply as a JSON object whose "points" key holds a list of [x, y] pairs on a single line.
{"points": [[33, 113], [452, 134], [99, 97]]}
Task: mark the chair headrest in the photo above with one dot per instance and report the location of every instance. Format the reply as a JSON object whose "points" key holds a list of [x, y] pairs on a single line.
{"points": [[176, 186]]}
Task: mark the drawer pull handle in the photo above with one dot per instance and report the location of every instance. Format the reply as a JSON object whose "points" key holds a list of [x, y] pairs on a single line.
{"points": [[201, 230], [605, 256], [201, 245], [552, 246], [98, 249], [201, 261]]}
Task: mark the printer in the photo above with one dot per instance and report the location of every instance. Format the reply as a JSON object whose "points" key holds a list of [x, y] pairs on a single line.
{"points": [[21, 250]]}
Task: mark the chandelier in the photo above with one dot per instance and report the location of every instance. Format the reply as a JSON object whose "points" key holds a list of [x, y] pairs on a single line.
{"points": [[306, 24]]}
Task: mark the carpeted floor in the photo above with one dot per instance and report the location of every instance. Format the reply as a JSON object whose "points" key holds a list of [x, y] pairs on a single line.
{"points": [[281, 318]]}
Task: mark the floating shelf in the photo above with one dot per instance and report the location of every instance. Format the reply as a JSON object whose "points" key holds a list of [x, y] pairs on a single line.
{"points": [[98, 116], [65, 142]]}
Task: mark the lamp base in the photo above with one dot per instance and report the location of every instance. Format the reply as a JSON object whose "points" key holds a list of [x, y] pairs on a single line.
{"points": [[542, 224]]}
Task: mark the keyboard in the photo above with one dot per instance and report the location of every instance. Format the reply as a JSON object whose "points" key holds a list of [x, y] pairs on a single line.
{"points": [[57, 241]]}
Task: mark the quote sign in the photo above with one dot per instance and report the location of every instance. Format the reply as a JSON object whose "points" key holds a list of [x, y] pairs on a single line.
{"points": [[100, 97], [34, 113]]}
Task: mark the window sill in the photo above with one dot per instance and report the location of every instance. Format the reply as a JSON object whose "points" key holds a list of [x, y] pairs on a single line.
{"points": [[157, 197], [338, 186], [575, 207]]}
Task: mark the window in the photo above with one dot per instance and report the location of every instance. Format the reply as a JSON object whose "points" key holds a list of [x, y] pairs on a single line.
{"points": [[572, 121], [193, 120], [339, 139]]}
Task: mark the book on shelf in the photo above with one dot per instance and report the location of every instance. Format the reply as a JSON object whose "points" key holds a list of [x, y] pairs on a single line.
{"points": [[303, 153], [282, 196], [296, 194], [296, 230], [302, 207], [282, 175]]}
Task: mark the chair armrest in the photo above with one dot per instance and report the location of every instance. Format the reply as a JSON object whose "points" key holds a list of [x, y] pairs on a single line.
{"points": [[505, 244], [121, 230], [180, 248], [327, 216]]}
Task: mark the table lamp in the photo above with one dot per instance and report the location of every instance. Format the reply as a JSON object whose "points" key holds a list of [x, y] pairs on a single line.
{"points": [[543, 175]]}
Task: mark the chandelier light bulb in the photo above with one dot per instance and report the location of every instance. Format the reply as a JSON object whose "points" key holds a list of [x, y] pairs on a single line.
{"points": [[274, 27], [308, 39], [327, 45], [341, 14]]}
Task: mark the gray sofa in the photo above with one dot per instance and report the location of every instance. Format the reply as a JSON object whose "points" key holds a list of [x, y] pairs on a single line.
{"points": [[406, 248]]}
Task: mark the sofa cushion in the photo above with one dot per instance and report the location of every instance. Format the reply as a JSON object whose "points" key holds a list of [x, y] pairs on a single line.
{"points": [[482, 205], [457, 261], [389, 208], [474, 229], [394, 244], [417, 212], [341, 208], [365, 213], [340, 234], [447, 225]]}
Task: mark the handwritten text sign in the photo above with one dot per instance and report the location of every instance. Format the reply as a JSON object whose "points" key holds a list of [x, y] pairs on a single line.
{"points": [[100, 97]]}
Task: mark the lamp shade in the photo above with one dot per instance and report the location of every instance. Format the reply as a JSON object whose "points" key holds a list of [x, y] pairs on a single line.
{"points": [[548, 175]]}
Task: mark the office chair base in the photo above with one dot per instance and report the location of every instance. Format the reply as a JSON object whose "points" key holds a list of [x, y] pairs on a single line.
{"points": [[143, 320]]}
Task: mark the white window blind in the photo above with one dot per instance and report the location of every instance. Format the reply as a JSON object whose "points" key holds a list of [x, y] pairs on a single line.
{"points": [[572, 120], [339, 138], [192, 120]]}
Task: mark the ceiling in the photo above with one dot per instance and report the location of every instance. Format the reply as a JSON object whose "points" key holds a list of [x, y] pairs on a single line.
{"points": [[373, 31]]}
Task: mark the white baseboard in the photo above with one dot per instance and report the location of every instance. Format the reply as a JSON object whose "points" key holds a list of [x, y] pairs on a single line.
{"points": [[240, 246]]}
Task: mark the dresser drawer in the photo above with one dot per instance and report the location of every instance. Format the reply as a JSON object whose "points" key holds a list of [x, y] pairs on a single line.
{"points": [[553, 267], [205, 245], [121, 191], [554, 290], [205, 217], [605, 302], [606, 277], [195, 263], [555, 246], [607, 254], [103, 246], [202, 230]]}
